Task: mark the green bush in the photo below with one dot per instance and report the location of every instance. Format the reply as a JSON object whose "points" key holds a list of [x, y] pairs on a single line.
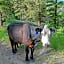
{"points": [[57, 41], [3, 34]]}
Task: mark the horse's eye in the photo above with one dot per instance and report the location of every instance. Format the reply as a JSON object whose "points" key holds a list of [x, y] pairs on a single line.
{"points": [[36, 32]]}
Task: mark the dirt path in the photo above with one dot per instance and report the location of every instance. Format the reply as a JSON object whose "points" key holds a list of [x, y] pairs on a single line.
{"points": [[41, 57], [7, 57]]}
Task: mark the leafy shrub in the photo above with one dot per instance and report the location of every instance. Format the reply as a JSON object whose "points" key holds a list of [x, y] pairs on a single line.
{"points": [[57, 41], [3, 34]]}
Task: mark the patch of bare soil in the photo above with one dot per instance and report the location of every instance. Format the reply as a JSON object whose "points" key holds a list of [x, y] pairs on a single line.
{"points": [[41, 56]]}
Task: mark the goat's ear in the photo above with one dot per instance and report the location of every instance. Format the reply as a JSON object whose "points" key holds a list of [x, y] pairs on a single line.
{"points": [[52, 29], [40, 29]]}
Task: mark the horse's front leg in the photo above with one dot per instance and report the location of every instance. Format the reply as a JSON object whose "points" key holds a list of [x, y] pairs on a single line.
{"points": [[27, 52], [32, 50]]}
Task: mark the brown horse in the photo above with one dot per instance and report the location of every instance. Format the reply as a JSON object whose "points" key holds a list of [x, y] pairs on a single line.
{"points": [[23, 32]]}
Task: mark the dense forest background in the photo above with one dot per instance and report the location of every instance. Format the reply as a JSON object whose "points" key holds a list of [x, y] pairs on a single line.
{"points": [[45, 11], [50, 12]]}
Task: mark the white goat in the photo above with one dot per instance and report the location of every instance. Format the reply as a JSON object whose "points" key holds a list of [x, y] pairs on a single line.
{"points": [[45, 35]]}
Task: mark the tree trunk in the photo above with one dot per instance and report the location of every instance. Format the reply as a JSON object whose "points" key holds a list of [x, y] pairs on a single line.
{"points": [[39, 22], [55, 15], [0, 19], [39, 19]]}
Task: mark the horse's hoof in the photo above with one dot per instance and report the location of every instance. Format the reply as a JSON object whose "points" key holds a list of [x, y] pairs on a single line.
{"points": [[31, 58], [48, 45], [14, 52], [26, 59]]}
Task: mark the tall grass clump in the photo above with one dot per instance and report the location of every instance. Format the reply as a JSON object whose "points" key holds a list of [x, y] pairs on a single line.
{"points": [[3, 34], [57, 40]]}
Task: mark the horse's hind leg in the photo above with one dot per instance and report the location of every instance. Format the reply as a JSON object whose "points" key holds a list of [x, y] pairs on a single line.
{"points": [[13, 45], [27, 52], [16, 46]]}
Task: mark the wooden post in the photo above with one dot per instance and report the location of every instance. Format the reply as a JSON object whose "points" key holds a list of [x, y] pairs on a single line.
{"points": [[55, 15], [39, 13], [39, 18]]}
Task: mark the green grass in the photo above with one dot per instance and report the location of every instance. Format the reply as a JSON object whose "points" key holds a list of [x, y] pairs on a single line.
{"points": [[39, 45], [57, 41], [3, 34]]}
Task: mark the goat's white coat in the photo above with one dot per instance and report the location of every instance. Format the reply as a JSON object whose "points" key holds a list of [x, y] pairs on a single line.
{"points": [[45, 36]]}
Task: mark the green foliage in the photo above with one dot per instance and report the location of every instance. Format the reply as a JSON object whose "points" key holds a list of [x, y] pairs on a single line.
{"points": [[3, 34], [29, 10], [39, 45], [10, 19], [57, 40]]}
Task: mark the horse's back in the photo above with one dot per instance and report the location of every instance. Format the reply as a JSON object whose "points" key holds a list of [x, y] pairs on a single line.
{"points": [[16, 30]]}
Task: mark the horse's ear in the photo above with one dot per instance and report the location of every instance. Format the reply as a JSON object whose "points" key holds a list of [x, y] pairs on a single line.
{"points": [[38, 29]]}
